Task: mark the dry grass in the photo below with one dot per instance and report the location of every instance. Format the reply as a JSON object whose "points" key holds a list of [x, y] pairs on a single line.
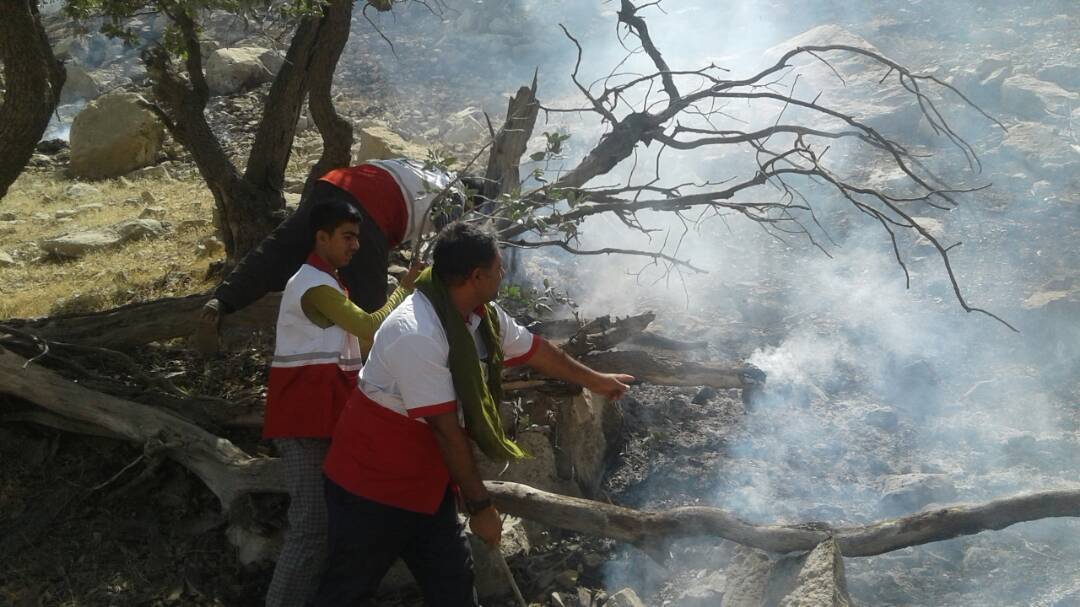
{"points": [[136, 271]]}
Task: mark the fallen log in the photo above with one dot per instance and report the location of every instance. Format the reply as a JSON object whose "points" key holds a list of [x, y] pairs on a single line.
{"points": [[225, 469], [231, 474], [658, 528], [603, 334], [143, 323], [650, 339]]}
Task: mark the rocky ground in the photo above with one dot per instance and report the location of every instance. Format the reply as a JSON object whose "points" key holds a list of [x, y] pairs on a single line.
{"points": [[881, 401]]}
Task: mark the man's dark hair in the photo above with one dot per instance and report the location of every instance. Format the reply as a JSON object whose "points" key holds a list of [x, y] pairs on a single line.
{"points": [[461, 248], [327, 215]]}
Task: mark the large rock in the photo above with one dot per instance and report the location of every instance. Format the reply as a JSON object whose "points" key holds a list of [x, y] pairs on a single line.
{"points": [[704, 591], [905, 493], [231, 70], [1042, 149], [585, 424], [79, 84], [813, 579], [819, 579], [252, 546], [625, 598], [378, 141], [539, 470], [113, 136], [73, 246], [1035, 99], [1065, 75]]}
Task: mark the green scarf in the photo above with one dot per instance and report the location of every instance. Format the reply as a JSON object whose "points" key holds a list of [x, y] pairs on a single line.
{"points": [[479, 400]]}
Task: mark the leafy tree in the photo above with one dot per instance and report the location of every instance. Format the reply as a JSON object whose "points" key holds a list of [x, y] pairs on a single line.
{"points": [[247, 201]]}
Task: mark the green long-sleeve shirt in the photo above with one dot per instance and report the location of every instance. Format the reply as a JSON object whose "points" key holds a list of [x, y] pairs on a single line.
{"points": [[326, 306]]}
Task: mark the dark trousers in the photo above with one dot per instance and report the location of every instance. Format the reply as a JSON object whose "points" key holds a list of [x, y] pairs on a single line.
{"points": [[366, 538], [273, 262]]}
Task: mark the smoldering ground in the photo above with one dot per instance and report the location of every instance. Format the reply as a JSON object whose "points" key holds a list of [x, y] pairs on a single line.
{"points": [[883, 397]]}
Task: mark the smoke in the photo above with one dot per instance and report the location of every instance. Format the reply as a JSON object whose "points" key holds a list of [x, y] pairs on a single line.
{"points": [[872, 383], [60, 124]]}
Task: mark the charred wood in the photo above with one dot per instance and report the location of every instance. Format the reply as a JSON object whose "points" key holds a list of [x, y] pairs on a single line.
{"points": [[667, 371], [650, 339]]}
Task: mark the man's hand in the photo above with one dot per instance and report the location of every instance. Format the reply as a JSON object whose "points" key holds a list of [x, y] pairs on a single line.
{"points": [[206, 333], [610, 385], [409, 279], [487, 525]]}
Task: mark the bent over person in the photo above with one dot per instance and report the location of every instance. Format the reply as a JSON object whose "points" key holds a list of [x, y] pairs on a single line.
{"points": [[431, 383], [317, 349], [393, 197]]}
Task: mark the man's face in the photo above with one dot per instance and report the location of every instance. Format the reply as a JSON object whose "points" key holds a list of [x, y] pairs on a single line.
{"points": [[488, 279], [337, 248]]}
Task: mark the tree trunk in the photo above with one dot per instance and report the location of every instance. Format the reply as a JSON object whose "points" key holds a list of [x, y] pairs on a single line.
{"points": [[142, 323], [248, 205], [32, 78], [503, 170], [337, 133]]}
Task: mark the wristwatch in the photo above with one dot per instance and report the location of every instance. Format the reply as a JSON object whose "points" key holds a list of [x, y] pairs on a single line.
{"points": [[472, 507]]}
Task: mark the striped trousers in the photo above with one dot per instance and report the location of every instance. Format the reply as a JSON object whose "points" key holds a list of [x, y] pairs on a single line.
{"points": [[296, 575]]}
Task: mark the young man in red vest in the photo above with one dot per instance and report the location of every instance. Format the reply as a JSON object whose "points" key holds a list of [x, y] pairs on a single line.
{"points": [[394, 197], [399, 446], [317, 354]]}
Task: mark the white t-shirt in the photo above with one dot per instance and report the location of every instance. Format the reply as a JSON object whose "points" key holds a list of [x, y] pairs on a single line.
{"points": [[407, 370]]}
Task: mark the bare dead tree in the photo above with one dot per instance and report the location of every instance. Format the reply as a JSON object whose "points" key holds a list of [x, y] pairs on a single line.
{"points": [[790, 154]]}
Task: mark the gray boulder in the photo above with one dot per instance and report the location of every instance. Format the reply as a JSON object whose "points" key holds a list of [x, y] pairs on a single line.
{"points": [[813, 579], [585, 422], [1042, 149], [231, 70], [73, 246], [6, 260], [253, 547], [625, 598], [819, 579], [904, 493], [79, 84], [1028, 97], [705, 591], [114, 135], [1065, 75], [539, 470]]}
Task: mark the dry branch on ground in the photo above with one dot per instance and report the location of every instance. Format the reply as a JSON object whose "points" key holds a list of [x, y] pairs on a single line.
{"points": [[655, 529]]}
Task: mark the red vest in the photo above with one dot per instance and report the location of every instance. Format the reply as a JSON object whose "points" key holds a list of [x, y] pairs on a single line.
{"points": [[386, 457], [314, 369]]}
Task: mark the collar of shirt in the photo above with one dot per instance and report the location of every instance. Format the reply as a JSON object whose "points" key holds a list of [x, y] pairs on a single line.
{"points": [[473, 321], [317, 262]]}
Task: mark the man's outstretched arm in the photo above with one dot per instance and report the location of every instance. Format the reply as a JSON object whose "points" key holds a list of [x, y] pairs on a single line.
{"points": [[552, 361]]}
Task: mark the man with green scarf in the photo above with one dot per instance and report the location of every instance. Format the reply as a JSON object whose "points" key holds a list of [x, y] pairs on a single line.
{"points": [[401, 447]]}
